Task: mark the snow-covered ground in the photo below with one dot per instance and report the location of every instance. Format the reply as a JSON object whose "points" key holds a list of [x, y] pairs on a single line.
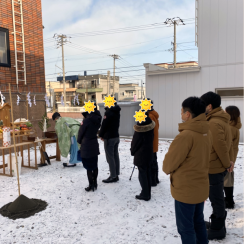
{"points": [[109, 215]]}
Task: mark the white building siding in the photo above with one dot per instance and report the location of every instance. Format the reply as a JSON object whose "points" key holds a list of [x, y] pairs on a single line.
{"points": [[221, 53]]}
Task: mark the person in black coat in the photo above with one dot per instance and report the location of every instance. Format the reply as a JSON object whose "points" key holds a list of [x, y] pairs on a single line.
{"points": [[89, 149], [142, 150], [109, 133]]}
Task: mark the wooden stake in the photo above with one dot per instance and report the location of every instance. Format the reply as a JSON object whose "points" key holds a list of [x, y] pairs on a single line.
{"points": [[16, 159]]}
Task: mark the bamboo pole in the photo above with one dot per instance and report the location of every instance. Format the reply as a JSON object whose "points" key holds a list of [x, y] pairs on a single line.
{"points": [[16, 159], [27, 107]]}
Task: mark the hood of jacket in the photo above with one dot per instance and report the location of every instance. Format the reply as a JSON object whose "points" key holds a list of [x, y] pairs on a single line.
{"points": [[144, 128], [238, 125], [198, 124], [219, 113], [95, 117], [115, 109], [154, 113]]}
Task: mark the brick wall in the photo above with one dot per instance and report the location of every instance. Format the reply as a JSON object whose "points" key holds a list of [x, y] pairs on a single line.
{"points": [[34, 55]]}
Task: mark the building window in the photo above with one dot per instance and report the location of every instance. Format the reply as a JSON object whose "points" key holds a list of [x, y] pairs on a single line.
{"points": [[230, 92], [4, 48]]}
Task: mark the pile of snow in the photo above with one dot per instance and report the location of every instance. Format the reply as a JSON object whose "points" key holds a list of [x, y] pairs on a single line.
{"points": [[109, 215]]}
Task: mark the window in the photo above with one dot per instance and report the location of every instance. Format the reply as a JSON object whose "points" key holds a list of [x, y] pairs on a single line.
{"points": [[4, 48], [230, 92]]}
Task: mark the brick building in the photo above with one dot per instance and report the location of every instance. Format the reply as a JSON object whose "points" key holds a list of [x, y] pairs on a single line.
{"points": [[22, 48]]}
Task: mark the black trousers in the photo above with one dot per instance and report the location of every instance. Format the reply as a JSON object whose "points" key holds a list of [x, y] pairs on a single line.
{"points": [[154, 164], [216, 193], [145, 181], [154, 169]]}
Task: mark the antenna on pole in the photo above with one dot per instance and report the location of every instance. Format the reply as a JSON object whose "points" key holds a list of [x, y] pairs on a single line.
{"points": [[61, 40], [174, 21], [114, 56]]}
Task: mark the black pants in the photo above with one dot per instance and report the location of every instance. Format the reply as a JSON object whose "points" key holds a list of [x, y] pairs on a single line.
{"points": [[154, 169], [145, 181], [216, 194], [155, 162]]}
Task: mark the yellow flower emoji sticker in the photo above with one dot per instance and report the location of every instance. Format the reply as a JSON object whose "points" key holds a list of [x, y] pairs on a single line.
{"points": [[140, 116], [146, 104], [109, 101], [89, 106]]}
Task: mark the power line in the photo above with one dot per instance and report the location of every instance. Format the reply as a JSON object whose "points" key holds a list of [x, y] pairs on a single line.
{"points": [[132, 28], [120, 30]]}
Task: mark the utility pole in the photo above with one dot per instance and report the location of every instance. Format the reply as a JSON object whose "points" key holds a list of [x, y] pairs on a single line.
{"points": [[86, 90], [61, 40], [141, 89], [174, 21], [175, 44], [114, 56], [108, 82]]}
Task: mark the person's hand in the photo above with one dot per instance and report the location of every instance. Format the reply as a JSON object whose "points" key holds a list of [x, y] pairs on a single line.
{"points": [[231, 167], [102, 139]]}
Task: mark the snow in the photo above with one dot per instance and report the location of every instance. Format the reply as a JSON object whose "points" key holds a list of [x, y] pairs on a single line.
{"points": [[109, 215]]}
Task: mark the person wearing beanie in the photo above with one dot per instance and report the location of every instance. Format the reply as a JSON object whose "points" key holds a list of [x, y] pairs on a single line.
{"points": [[89, 149], [66, 127], [109, 133], [221, 161], [187, 162], [142, 150], [153, 115], [235, 126]]}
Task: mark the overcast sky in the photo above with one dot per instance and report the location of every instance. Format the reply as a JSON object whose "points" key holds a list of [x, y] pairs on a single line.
{"points": [[135, 48]]}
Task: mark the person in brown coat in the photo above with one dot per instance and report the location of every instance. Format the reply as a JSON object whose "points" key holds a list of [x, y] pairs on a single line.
{"points": [[153, 115], [235, 126], [187, 162], [220, 162]]}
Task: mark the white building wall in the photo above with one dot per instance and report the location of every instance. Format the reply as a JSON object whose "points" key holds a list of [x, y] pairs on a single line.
{"points": [[221, 53]]}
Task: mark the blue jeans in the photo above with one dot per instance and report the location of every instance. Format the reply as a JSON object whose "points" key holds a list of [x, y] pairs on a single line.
{"points": [[190, 223]]}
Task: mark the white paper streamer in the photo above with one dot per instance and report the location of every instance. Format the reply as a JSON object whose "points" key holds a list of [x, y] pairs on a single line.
{"points": [[29, 99], [76, 99], [47, 100], [62, 100], [18, 99], [2, 98], [34, 100]]}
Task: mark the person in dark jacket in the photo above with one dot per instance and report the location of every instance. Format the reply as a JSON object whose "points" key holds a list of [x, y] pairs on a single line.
{"points": [[153, 115], [142, 150], [109, 133], [89, 149], [221, 162]]}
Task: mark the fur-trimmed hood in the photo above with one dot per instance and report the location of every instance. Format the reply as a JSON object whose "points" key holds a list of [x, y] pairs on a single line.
{"points": [[144, 128]]}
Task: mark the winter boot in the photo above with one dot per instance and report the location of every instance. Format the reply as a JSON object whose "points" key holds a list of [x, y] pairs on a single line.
{"points": [[207, 224], [90, 187], [229, 201], [95, 174], [217, 228], [91, 181], [140, 197]]}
